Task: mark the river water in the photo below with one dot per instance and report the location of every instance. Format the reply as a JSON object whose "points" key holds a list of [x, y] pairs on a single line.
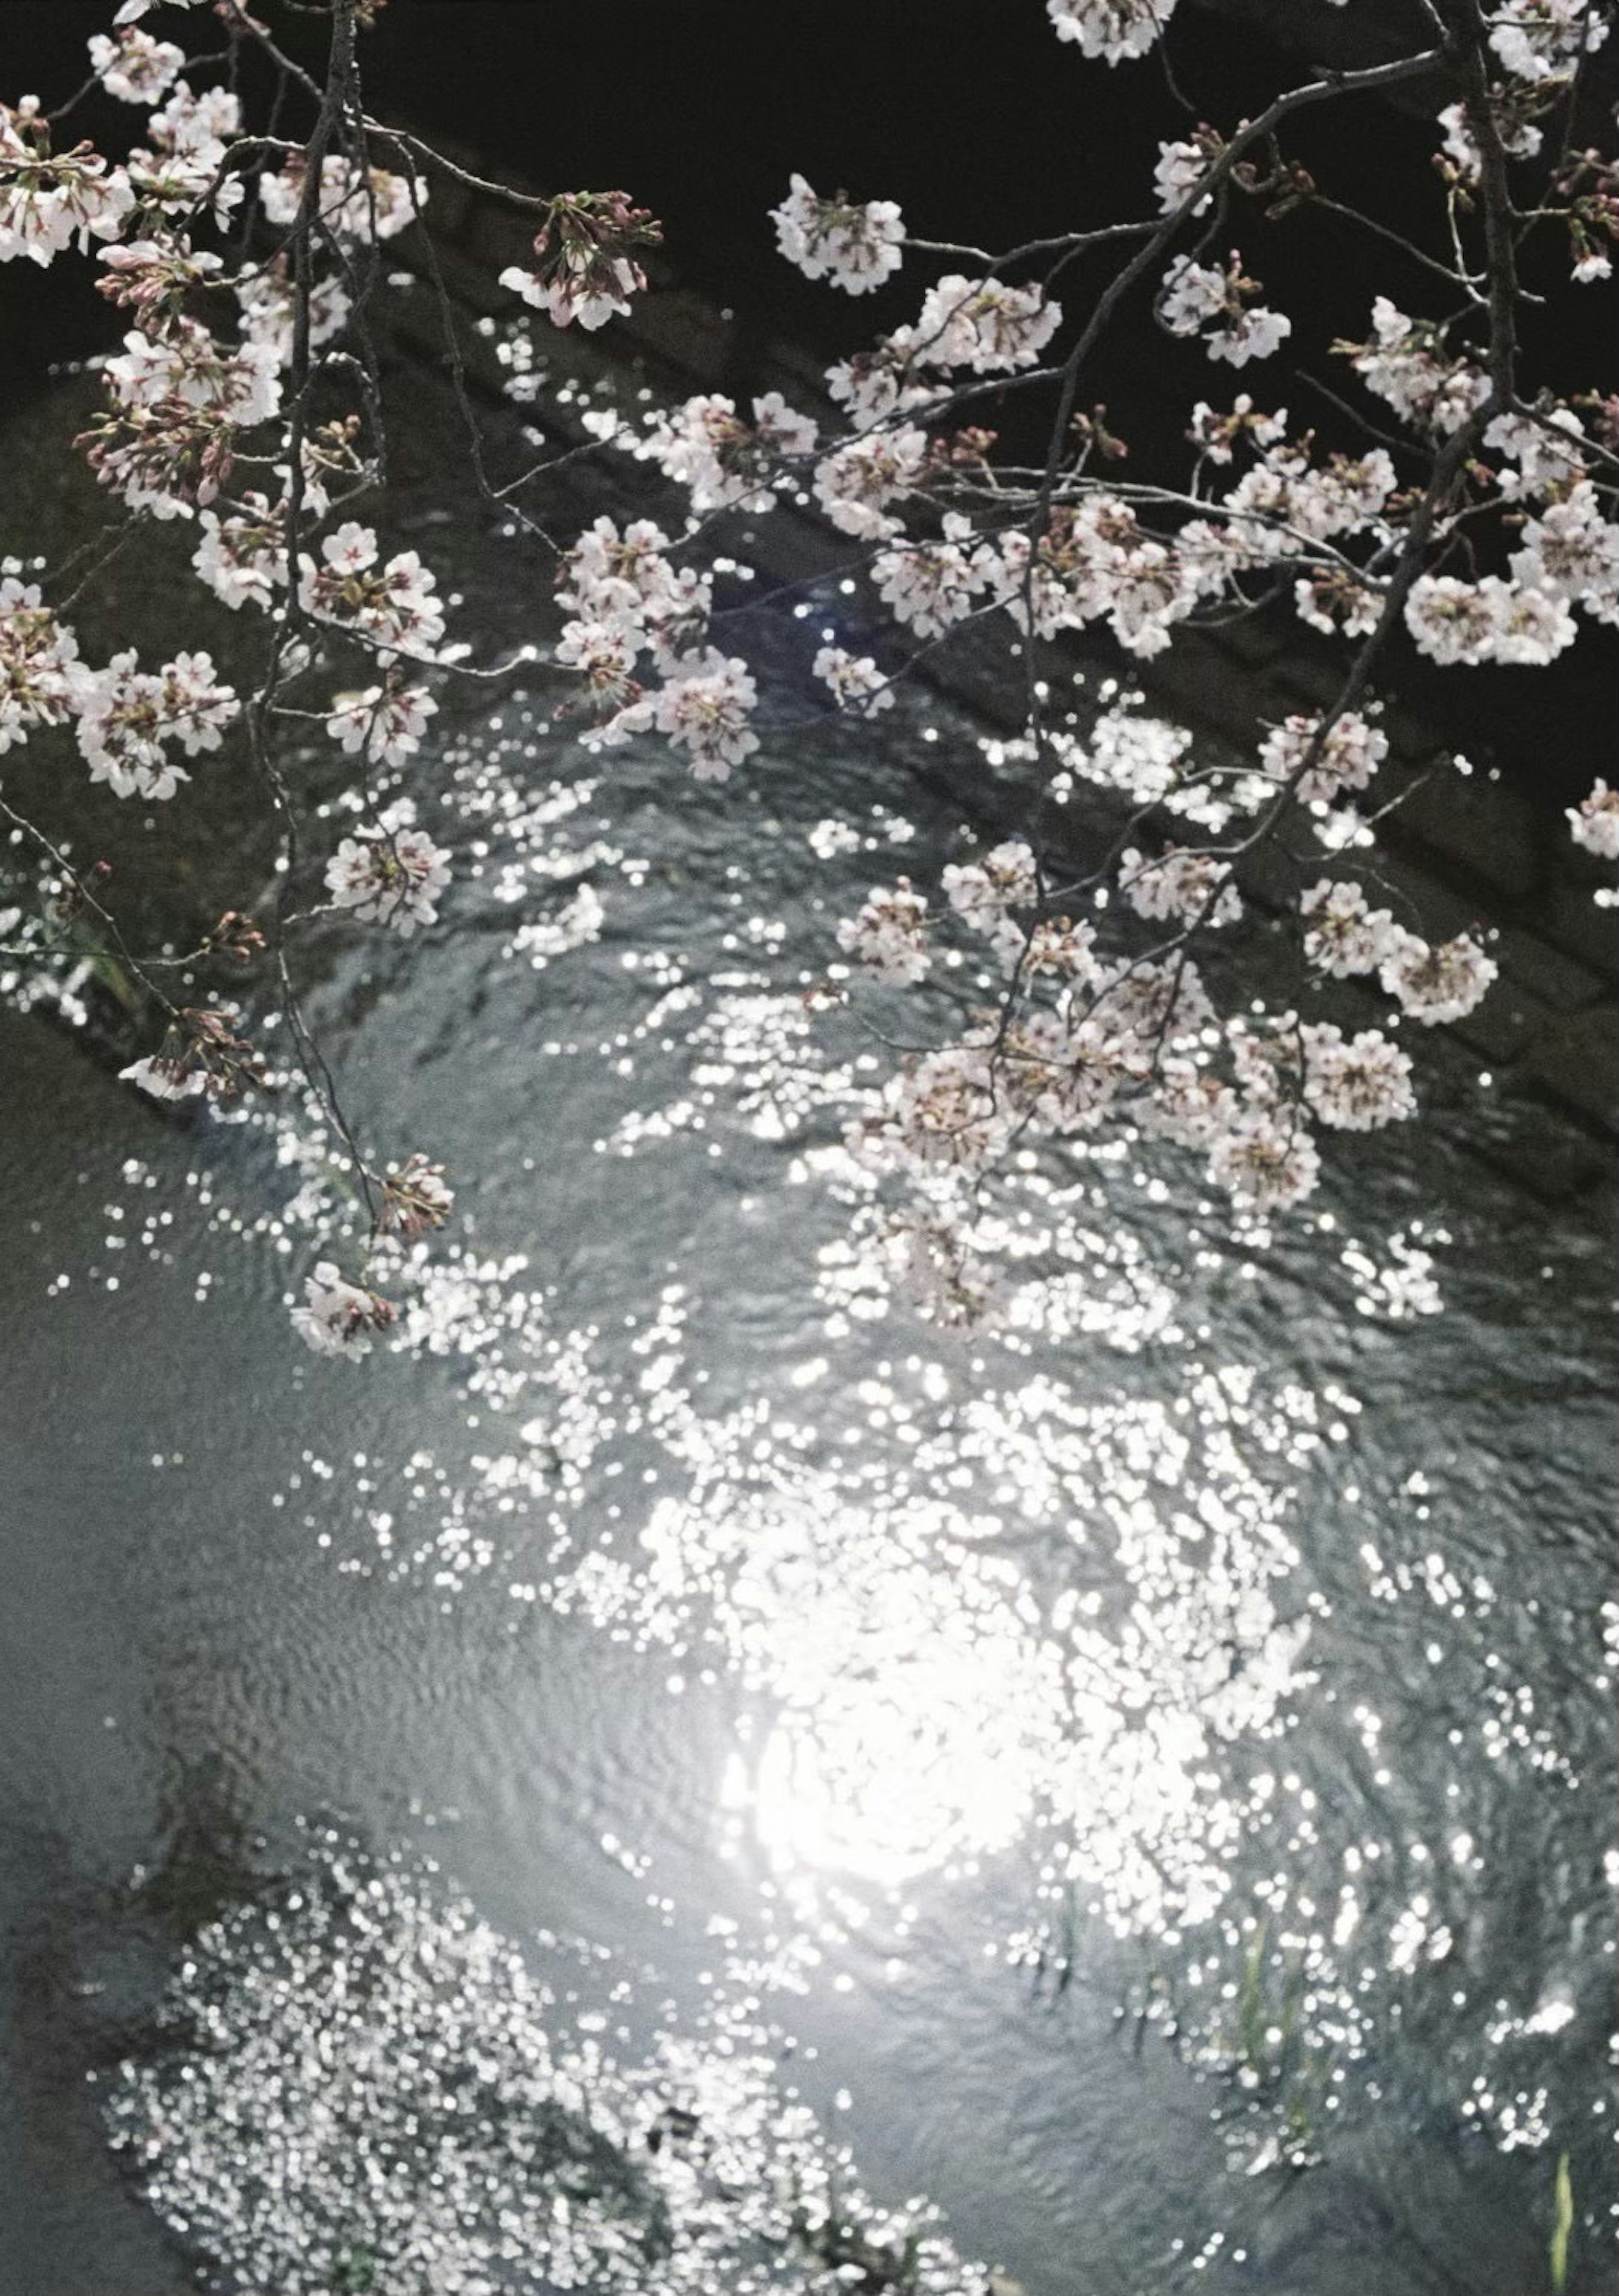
{"points": [[1141, 1776]]}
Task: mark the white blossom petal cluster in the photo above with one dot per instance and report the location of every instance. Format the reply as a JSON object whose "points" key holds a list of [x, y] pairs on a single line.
{"points": [[243, 556], [1181, 168], [1093, 561], [1116, 31], [855, 483], [1536, 38], [127, 716], [39, 667], [1197, 300], [1343, 936], [133, 67], [358, 203], [1570, 552], [1435, 982], [855, 244], [385, 723], [1265, 1159], [872, 386], [984, 325], [48, 201], [1545, 455], [389, 875], [930, 586], [725, 461], [703, 707], [1455, 622], [164, 1079], [183, 166], [626, 585], [1594, 821], [1346, 754], [395, 605], [1186, 887], [336, 1317], [854, 680], [889, 933], [982, 892], [1405, 364], [1356, 1083], [238, 385], [269, 307], [563, 299]]}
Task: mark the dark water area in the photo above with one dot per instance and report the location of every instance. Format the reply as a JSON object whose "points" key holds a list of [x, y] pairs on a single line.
{"points": [[1111, 1759]]}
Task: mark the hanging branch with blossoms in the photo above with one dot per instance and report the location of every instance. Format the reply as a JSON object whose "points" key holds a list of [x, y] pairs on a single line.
{"points": [[1478, 521]]}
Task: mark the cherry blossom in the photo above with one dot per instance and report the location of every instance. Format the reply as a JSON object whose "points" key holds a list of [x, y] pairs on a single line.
{"points": [[164, 1079], [395, 605], [126, 715], [1116, 31], [338, 1318], [1536, 38], [1595, 821], [854, 681], [984, 325], [585, 253], [416, 1197], [1214, 305], [1265, 1160], [1344, 937], [1434, 984], [855, 484], [133, 67], [1342, 754], [354, 203], [243, 556], [851, 243], [390, 875], [931, 584], [703, 707], [386, 723], [1191, 888], [40, 677], [889, 933], [48, 201], [1356, 1083]]}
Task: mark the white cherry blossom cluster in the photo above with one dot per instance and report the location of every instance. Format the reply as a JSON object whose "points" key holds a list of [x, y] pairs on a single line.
{"points": [[336, 1317], [1595, 821], [389, 875], [133, 67], [1536, 38], [241, 556], [41, 679], [1116, 31], [854, 244], [726, 462], [1320, 760], [393, 605], [128, 717], [854, 681], [49, 201], [385, 723], [183, 167], [984, 325], [1215, 305], [356, 203], [889, 933]]}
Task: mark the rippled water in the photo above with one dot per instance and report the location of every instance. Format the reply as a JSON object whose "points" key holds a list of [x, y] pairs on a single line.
{"points": [[1104, 1764]]}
